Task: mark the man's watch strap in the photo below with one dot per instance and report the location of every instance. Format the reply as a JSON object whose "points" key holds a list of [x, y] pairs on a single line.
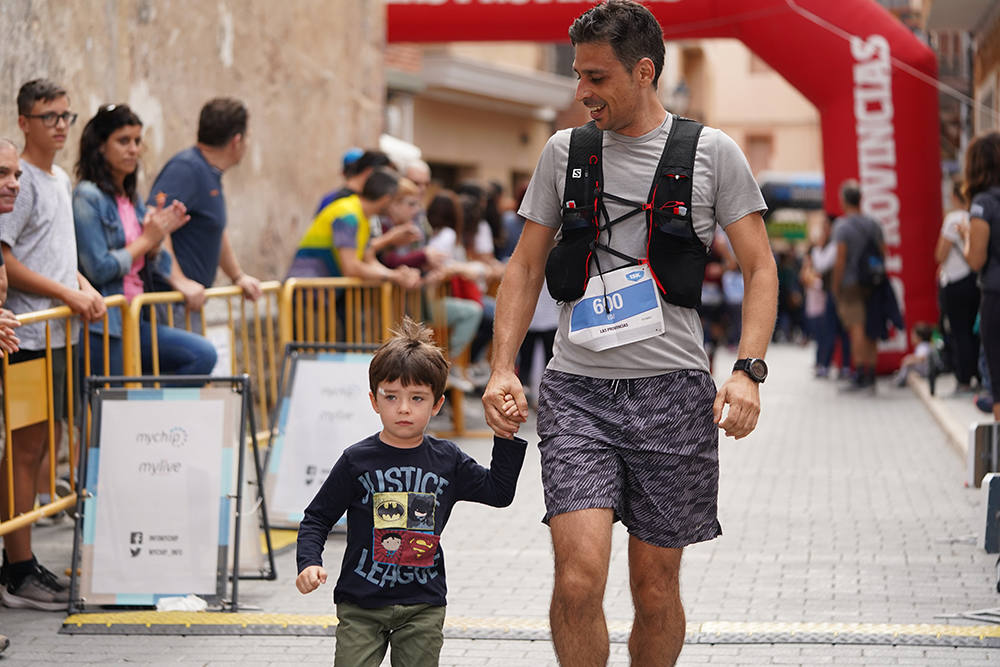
{"points": [[754, 367]]}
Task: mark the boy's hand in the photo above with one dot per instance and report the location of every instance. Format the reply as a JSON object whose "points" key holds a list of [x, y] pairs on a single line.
{"points": [[310, 579], [504, 403]]}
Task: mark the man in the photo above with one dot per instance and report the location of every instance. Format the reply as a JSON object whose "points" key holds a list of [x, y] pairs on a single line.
{"points": [[39, 248], [194, 176], [358, 166], [629, 432], [10, 172], [852, 233], [338, 242], [419, 172]]}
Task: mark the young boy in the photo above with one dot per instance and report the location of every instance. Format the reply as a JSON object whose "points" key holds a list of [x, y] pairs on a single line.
{"points": [[398, 487], [38, 241]]}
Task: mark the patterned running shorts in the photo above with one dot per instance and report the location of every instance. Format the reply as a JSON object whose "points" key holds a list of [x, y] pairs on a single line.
{"points": [[648, 448]]}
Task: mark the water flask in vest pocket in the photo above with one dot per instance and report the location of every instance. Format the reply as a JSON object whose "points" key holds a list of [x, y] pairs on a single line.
{"points": [[677, 257], [566, 267]]}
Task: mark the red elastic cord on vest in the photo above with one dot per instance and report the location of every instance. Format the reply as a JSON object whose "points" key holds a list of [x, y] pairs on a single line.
{"points": [[645, 260]]}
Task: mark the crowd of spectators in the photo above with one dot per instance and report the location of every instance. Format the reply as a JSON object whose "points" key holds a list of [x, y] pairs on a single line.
{"points": [[392, 222]]}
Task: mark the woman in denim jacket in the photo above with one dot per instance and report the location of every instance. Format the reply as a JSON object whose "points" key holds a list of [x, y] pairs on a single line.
{"points": [[117, 237]]}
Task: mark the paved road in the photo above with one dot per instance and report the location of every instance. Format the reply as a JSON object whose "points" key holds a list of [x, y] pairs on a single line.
{"points": [[839, 509]]}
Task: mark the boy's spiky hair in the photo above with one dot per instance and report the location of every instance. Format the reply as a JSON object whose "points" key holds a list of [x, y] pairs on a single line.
{"points": [[412, 357]]}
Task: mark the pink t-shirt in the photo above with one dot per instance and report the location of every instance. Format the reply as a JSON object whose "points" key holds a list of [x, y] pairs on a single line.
{"points": [[131, 282]]}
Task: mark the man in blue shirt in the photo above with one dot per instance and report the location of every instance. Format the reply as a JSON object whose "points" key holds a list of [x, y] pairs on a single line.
{"points": [[194, 176]]}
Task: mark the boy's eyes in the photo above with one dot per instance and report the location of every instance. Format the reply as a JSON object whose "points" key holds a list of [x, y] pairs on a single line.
{"points": [[393, 397]]}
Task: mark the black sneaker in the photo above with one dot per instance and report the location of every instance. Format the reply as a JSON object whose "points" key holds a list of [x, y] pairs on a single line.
{"points": [[37, 591], [51, 577]]}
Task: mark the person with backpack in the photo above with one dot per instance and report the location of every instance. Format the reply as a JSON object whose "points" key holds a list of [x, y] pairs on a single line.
{"points": [[857, 271], [628, 414]]}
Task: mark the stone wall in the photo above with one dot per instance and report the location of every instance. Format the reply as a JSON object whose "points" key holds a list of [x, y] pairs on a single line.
{"points": [[310, 72]]}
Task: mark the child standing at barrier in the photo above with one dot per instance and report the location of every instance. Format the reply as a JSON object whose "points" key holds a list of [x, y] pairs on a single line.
{"points": [[398, 488], [39, 250]]}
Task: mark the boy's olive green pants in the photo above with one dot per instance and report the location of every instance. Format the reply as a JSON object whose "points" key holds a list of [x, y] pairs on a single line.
{"points": [[415, 632]]}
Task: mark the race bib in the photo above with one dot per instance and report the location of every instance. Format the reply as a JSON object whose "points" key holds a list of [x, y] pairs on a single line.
{"points": [[617, 308]]}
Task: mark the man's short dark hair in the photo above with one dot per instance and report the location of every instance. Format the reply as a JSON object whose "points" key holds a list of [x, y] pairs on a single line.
{"points": [[630, 29], [383, 181], [221, 119], [35, 90], [368, 160], [850, 193], [411, 357]]}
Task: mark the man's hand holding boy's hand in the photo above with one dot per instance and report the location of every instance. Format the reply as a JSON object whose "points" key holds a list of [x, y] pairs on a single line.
{"points": [[310, 579]]}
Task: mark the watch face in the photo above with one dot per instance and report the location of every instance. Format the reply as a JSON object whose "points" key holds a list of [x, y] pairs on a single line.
{"points": [[758, 369]]}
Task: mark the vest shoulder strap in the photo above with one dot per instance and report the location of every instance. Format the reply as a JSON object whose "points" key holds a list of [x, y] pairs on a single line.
{"points": [[672, 186], [583, 168]]}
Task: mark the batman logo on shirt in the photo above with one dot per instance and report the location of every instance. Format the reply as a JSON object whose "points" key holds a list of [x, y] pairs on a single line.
{"points": [[390, 510]]}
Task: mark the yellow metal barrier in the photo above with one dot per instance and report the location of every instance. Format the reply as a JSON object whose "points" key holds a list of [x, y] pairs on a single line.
{"points": [[326, 310], [28, 399], [252, 329], [336, 310]]}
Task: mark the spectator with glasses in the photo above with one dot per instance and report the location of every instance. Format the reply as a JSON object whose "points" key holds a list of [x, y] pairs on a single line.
{"points": [[39, 249], [119, 242]]}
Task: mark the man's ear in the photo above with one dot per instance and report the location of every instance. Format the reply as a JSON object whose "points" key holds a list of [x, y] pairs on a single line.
{"points": [[646, 70], [236, 144], [371, 396], [438, 405]]}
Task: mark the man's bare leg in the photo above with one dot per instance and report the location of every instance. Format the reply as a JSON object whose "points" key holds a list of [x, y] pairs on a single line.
{"points": [[581, 541], [658, 629]]}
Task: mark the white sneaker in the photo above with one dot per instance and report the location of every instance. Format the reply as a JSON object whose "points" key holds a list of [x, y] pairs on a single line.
{"points": [[63, 489], [479, 373], [457, 381]]}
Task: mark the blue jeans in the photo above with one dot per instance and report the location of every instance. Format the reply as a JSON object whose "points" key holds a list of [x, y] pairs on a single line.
{"points": [[180, 352], [826, 339]]}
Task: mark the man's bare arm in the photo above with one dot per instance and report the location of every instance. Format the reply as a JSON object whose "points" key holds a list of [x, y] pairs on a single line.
{"points": [[516, 302], [760, 306]]}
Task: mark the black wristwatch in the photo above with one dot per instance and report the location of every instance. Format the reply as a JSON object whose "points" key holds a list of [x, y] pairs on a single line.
{"points": [[755, 368]]}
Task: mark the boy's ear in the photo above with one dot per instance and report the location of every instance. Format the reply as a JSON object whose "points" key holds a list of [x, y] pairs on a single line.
{"points": [[371, 396], [438, 405]]}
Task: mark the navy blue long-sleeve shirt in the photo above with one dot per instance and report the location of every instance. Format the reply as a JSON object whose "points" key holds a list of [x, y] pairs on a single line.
{"points": [[398, 502]]}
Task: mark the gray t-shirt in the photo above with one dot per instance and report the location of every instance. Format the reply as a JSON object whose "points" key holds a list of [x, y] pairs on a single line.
{"points": [[41, 236], [724, 191], [854, 231]]}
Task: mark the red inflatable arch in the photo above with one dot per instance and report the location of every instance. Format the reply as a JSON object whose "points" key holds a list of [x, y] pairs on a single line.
{"points": [[872, 81]]}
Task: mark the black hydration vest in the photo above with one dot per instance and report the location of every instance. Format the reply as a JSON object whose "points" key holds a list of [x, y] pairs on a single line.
{"points": [[675, 254]]}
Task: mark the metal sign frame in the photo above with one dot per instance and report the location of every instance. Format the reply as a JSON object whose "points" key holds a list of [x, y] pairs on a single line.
{"points": [[99, 388]]}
